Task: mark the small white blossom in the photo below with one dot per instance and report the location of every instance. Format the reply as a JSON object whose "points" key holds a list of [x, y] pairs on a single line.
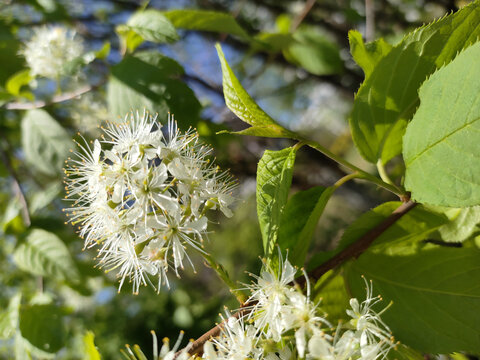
{"points": [[50, 50], [286, 324], [141, 195]]}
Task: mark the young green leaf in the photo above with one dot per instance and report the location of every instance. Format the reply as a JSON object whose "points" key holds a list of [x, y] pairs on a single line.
{"points": [[91, 352], [274, 177], [440, 146], [242, 105], [299, 220], [204, 20], [367, 55], [45, 254], [387, 99], [45, 142], [15, 83], [433, 291]]}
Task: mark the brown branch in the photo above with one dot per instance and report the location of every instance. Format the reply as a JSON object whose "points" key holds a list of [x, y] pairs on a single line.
{"points": [[56, 99], [352, 251], [359, 246], [369, 21], [306, 9]]}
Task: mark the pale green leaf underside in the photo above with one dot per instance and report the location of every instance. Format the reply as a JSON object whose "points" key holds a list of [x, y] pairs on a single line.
{"points": [[441, 144], [45, 254], [274, 177], [387, 99], [45, 142], [435, 291], [242, 104], [203, 20], [152, 25], [461, 225], [9, 317]]}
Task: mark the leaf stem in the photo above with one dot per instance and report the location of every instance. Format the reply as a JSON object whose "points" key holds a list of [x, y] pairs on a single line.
{"points": [[383, 173], [223, 275], [361, 174]]}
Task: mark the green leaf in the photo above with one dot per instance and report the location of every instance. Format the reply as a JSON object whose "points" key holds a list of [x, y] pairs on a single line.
{"points": [[461, 225], [91, 352], [433, 289], [45, 254], [104, 51], [387, 99], [274, 177], [150, 80], [46, 144], [9, 317], [129, 39], [314, 52], [9, 46], [331, 293], [152, 25], [367, 55], [16, 81], [204, 20], [402, 352], [440, 146], [43, 198], [299, 220], [272, 42], [12, 221], [42, 326], [242, 105], [414, 226]]}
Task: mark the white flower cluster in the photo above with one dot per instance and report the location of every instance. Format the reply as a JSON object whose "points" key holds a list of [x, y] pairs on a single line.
{"points": [[50, 50], [143, 197], [284, 324]]}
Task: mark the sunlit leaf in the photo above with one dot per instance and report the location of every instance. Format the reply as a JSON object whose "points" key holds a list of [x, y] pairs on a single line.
{"points": [[440, 146], [204, 20], [388, 98], [274, 177], [242, 105]]}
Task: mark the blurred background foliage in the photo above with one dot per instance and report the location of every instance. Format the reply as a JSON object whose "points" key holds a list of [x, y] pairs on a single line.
{"points": [[292, 57]]}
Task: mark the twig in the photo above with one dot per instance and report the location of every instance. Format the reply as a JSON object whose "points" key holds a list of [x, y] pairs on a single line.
{"points": [[354, 250], [306, 9], [359, 246], [56, 99], [16, 182], [369, 21]]}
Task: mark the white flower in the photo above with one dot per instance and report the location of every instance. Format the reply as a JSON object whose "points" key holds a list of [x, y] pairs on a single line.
{"points": [[236, 342], [375, 338], [271, 295], [143, 201], [50, 50]]}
